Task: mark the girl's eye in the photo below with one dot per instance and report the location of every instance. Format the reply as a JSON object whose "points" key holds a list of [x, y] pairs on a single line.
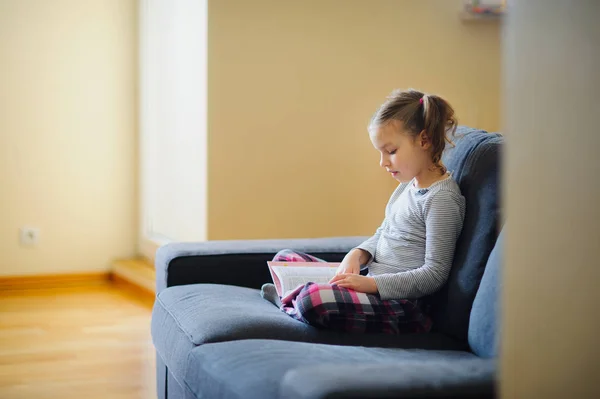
{"points": [[392, 152]]}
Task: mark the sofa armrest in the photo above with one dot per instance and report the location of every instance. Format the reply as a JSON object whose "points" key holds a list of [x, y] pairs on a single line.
{"points": [[237, 262], [467, 378]]}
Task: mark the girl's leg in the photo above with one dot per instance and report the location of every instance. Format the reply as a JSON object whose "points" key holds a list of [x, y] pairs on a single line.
{"points": [[288, 255], [341, 309], [268, 290]]}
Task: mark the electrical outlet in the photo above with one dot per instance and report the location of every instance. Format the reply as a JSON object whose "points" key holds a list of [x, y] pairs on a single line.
{"points": [[29, 236]]}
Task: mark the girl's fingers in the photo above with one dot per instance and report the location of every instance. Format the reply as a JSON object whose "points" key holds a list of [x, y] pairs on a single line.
{"points": [[340, 283]]}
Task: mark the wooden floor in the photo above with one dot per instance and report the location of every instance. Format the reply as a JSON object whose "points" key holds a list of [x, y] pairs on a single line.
{"points": [[91, 342]]}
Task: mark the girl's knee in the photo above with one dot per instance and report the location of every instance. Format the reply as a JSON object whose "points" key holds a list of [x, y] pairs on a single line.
{"points": [[314, 296], [283, 255]]}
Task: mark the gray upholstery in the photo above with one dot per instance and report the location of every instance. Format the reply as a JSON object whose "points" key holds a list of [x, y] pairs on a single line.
{"points": [[178, 390], [475, 162], [191, 315], [485, 314], [187, 316], [161, 377], [428, 378], [255, 368]]}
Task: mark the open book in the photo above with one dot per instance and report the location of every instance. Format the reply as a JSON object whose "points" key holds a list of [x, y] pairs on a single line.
{"points": [[287, 276]]}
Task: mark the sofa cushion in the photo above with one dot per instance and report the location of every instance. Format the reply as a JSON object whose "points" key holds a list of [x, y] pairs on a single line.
{"points": [[483, 325], [190, 315], [256, 368], [475, 162], [430, 378]]}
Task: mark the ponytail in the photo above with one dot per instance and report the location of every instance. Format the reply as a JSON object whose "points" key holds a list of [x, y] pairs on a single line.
{"points": [[438, 121], [419, 111]]}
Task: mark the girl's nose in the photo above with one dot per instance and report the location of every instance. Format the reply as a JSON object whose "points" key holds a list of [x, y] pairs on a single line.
{"points": [[383, 161]]}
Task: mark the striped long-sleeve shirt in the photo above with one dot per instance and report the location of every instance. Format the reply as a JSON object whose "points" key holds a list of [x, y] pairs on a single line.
{"points": [[412, 250]]}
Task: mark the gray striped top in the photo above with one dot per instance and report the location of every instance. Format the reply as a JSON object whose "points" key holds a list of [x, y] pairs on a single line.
{"points": [[412, 250]]}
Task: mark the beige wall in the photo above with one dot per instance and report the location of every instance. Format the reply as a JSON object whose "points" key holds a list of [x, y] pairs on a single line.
{"points": [[292, 85], [67, 133], [552, 194]]}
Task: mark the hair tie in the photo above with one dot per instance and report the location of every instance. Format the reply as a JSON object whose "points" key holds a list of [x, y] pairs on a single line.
{"points": [[421, 100]]}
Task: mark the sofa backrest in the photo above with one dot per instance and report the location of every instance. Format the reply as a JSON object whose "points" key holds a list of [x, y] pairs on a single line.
{"points": [[484, 320], [475, 164]]}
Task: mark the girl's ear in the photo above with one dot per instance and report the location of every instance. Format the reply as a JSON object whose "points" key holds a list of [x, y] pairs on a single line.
{"points": [[424, 141]]}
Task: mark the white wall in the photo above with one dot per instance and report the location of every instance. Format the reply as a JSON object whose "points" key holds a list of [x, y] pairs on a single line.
{"points": [[552, 191], [172, 121], [67, 133]]}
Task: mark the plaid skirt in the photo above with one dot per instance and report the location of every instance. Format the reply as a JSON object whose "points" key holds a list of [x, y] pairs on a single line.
{"points": [[341, 309]]}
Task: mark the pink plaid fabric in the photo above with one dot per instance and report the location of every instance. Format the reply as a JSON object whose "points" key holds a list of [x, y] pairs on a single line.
{"points": [[341, 309], [287, 255]]}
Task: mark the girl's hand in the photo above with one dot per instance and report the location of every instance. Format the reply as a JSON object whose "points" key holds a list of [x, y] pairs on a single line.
{"points": [[355, 282], [349, 265], [352, 261]]}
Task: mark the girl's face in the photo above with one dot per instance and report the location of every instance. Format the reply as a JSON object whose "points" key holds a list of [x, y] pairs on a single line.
{"points": [[402, 155]]}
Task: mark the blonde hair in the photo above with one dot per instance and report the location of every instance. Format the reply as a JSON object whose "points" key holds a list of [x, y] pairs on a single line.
{"points": [[419, 111]]}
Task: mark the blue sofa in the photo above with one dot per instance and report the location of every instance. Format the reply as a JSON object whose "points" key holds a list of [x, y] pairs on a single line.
{"points": [[215, 337]]}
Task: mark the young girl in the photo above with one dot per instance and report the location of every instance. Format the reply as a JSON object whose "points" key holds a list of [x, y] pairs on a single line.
{"points": [[410, 254]]}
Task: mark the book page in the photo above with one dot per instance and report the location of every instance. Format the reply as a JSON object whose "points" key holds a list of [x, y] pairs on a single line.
{"points": [[276, 280], [291, 277]]}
